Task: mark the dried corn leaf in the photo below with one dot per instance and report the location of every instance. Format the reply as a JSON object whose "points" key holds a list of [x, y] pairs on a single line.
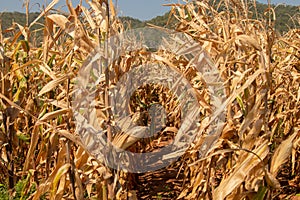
{"points": [[32, 147], [52, 181], [60, 20], [89, 18], [248, 40], [52, 84], [283, 151], [243, 168], [125, 140], [54, 114], [63, 23]]}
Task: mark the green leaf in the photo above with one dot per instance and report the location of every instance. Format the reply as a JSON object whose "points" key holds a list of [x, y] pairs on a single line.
{"points": [[241, 104], [262, 191]]}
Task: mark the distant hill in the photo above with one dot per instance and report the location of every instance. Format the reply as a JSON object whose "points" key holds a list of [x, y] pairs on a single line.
{"points": [[163, 21], [7, 18], [283, 18]]}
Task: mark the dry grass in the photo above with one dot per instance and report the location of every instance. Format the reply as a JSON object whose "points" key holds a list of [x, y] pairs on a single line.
{"points": [[256, 156]]}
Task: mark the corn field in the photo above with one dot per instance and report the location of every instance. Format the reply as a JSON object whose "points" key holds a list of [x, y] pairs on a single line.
{"points": [[255, 154]]}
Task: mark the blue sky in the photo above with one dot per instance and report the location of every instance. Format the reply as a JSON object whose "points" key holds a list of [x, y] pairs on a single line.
{"points": [[141, 9]]}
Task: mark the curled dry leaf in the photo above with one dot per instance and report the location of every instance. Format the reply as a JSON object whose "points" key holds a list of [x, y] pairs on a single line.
{"points": [[246, 39], [52, 84], [63, 23]]}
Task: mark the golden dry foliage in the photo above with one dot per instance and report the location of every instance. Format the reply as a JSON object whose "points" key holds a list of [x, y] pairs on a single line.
{"points": [[261, 137], [38, 140], [256, 157]]}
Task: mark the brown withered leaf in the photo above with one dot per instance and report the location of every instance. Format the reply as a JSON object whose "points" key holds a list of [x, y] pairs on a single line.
{"points": [[283, 151]]}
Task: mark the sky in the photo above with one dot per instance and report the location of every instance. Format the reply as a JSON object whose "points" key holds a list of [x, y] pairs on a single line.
{"points": [[141, 9]]}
